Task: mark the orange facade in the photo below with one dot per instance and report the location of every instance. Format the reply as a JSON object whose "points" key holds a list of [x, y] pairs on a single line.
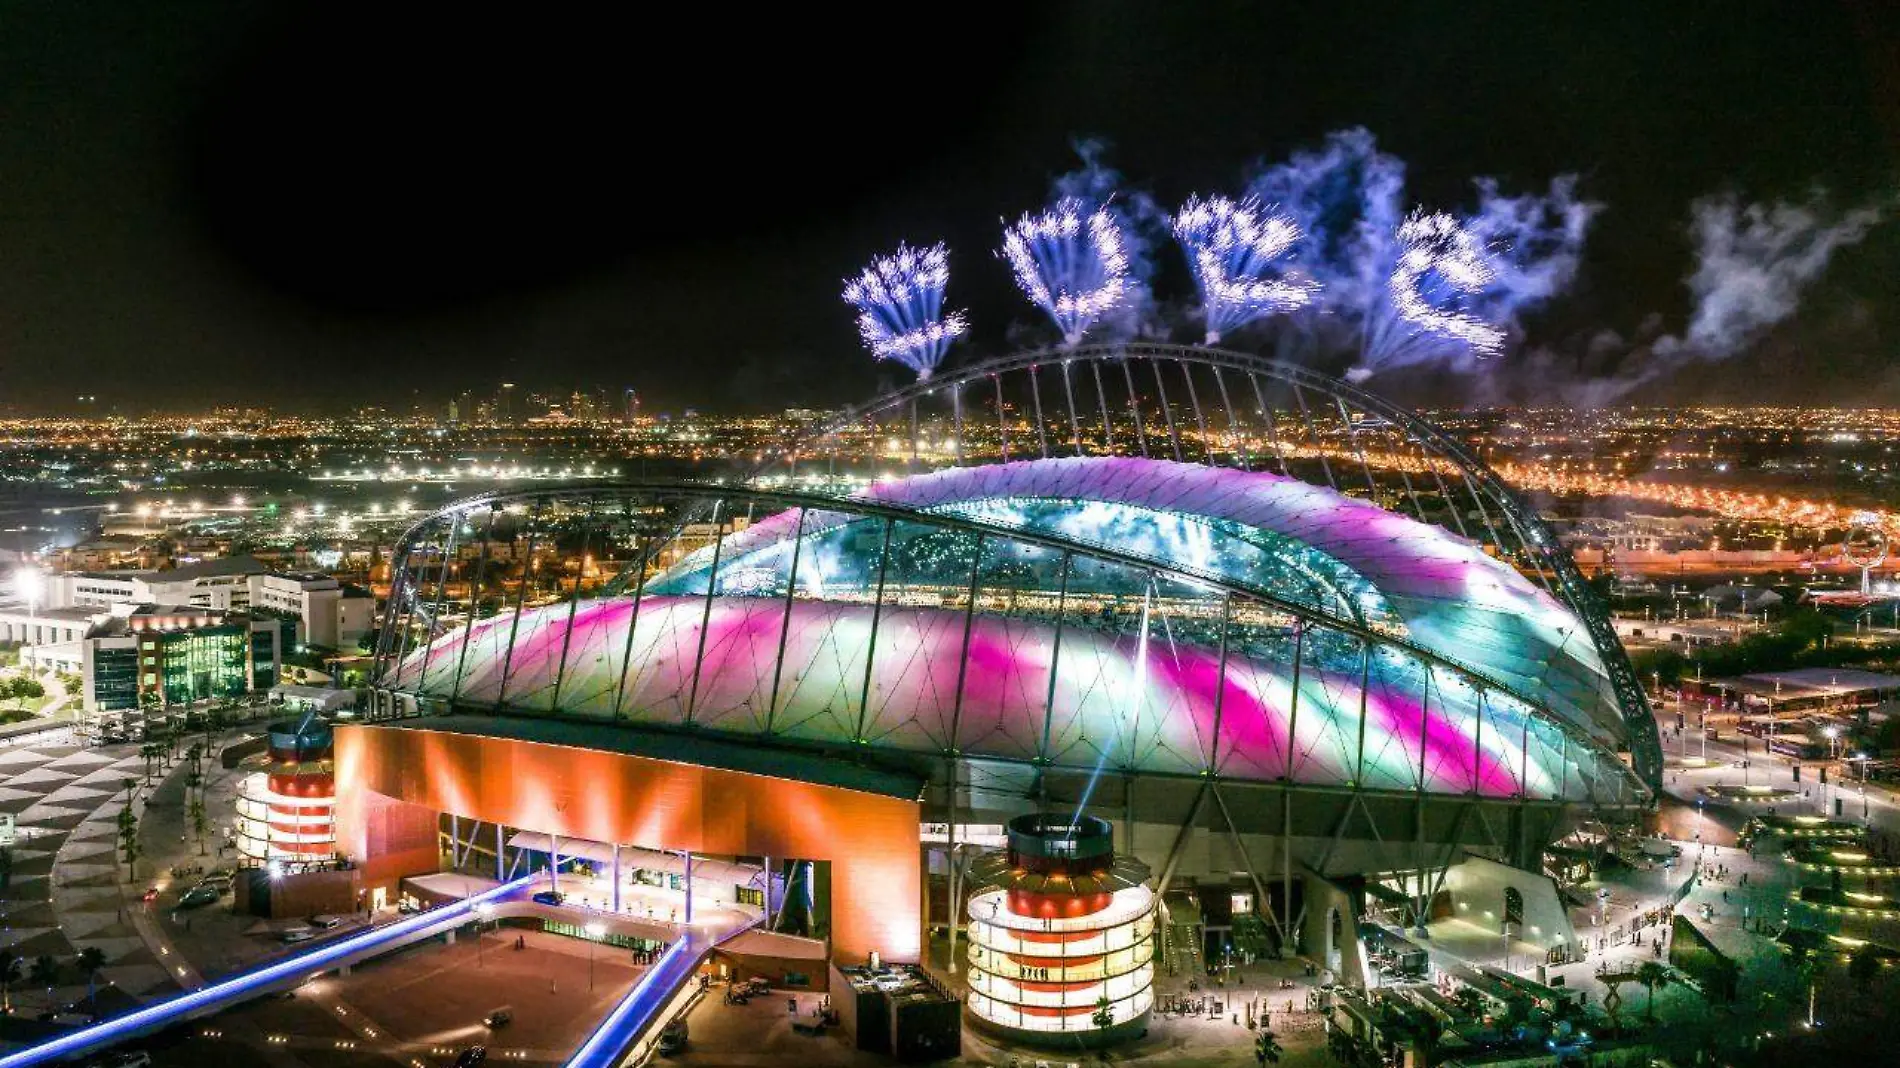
{"points": [[871, 840]]}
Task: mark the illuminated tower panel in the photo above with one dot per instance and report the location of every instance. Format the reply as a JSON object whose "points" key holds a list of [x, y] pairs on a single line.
{"points": [[288, 813], [1062, 938]]}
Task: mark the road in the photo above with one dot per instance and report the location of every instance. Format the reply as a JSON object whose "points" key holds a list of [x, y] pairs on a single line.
{"points": [[1876, 804]]}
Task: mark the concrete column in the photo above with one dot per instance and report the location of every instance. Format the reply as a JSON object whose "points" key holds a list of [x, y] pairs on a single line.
{"points": [[689, 888], [554, 862], [500, 846], [616, 877]]}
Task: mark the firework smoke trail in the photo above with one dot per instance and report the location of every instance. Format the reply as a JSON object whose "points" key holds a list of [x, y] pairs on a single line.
{"points": [[1346, 198], [1072, 263], [900, 307], [1753, 263], [1231, 247]]}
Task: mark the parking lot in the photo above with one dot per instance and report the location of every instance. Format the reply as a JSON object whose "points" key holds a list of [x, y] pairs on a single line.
{"points": [[423, 1004]]}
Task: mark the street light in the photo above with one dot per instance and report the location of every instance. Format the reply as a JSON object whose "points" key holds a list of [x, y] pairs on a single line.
{"points": [[595, 931], [30, 586], [1832, 734], [482, 912]]}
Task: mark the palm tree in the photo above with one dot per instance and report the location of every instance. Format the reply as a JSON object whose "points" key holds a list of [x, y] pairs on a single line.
{"points": [[129, 832], [45, 970], [1468, 999], [9, 975], [1863, 967], [1266, 1047], [199, 823], [1652, 974], [90, 960]]}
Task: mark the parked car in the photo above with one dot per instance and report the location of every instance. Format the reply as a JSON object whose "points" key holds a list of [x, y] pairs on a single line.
{"points": [[326, 922], [199, 895], [499, 1018], [151, 894], [673, 1038], [471, 1057], [296, 934], [137, 1058], [549, 897]]}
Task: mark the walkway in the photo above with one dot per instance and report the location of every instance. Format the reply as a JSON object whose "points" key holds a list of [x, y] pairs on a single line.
{"points": [[639, 1017], [62, 893]]}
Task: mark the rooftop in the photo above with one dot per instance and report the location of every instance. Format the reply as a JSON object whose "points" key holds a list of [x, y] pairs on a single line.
{"points": [[1810, 682], [751, 758]]}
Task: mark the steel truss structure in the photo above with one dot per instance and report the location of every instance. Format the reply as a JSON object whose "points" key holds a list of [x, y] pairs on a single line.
{"points": [[1310, 675]]}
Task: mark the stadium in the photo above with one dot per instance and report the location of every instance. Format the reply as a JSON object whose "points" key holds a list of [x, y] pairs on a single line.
{"points": [[1306, 655]]}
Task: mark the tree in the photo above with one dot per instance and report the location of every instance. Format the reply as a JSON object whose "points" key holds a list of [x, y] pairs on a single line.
{"points": [[20, 689], [9, 975], [1266, 1047], [89, 961], [1652, 974], [45, 970], [129, 832], [6, 867], [1468, 999], [218, 718], [1104, 1015], [1863, 967], [199, 823]]}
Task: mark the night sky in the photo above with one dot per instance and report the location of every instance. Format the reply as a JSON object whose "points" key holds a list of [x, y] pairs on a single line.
{"points": [[321, 206]]}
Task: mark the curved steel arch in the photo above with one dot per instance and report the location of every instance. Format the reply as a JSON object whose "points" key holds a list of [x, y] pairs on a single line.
{"points": [[394, 631], [1534, 538]]}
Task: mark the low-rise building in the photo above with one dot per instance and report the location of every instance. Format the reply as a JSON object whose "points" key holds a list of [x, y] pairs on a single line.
{"points": [[166, 655], [333, 614]]}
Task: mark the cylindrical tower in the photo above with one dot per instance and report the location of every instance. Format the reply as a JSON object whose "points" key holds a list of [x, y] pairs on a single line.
{"points": [[287, 814], [1061, 935]]}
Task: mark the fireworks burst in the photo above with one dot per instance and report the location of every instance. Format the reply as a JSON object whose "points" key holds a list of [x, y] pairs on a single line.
{"points": [[900, 307], [1072, 262], [1440, 269], [1231, 246]]}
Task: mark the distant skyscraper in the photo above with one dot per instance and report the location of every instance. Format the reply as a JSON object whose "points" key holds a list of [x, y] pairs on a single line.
{"points": [[632, 406], [455, 413], [505, 403]]}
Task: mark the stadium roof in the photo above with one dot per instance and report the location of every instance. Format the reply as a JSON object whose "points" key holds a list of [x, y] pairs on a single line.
{"points": [[855, 633]]}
